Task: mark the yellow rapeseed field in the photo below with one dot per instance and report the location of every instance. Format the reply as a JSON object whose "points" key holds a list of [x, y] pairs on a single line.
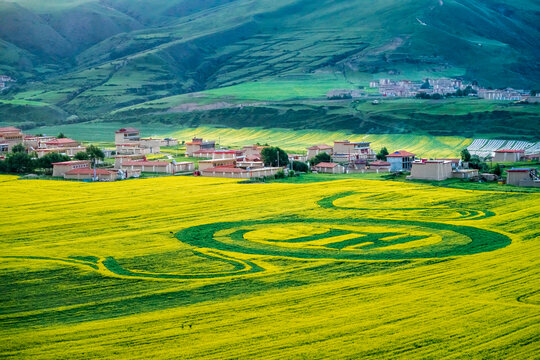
{"points": [[182, 267]]}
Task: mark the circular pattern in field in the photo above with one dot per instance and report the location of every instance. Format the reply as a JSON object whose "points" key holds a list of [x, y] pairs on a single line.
{"points": [[346, 201], [352, 239]]}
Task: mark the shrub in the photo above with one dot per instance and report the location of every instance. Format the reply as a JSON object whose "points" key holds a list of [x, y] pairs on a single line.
{"points": [[280, 175], [300, 166], [319, 158]]}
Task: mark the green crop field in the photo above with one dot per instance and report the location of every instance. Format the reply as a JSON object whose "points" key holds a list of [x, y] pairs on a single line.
{"points": [[291, 140], [342, 269]]}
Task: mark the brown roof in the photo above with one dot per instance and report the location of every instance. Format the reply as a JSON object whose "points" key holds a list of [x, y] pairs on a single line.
{"points": [[88, 171], [453, 161], [327, 165], [145, 163], [9, 129], [509, 151], [125, 130], [401, 153], [61, 141], [320, 147], [380, 163], [75, 162], [226, 169]]}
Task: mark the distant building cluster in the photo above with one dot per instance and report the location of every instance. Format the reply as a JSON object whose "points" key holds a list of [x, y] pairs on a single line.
{"points": [[41, 145], [4, 81], [430, 87]]}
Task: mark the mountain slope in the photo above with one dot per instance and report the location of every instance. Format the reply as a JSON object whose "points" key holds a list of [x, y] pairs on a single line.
{"points": [[118, 53]]}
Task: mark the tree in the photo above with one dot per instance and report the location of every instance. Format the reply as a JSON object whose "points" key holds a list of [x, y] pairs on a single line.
{"points": [[81, 155], [534, 92], [274, 156], [300, 166], [94, 153], [425, 85], [381, 155], [497, 170], [436, 96], [61, 136], [19, 162], [19, 148], [476, 163], [280, 174], [465, 155], [320, 157], [47, 161]]}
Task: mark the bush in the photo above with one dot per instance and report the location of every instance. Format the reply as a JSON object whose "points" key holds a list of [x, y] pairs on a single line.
{"points": [[381, 155], [300, 166], [280, 175], [46, 162], [19, 163], [465, 155], [497, 170], [81, 155], [319, 158]]}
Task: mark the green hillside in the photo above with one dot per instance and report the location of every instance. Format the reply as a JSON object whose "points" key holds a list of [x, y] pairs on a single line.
{"points": [[99, 59]]}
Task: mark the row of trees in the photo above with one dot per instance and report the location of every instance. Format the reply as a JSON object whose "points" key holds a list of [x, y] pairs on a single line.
{"points": [[475, 162], [18, 161]]}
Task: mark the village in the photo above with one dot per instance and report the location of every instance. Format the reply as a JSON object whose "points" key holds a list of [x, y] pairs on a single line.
{"points": [[435, 89], [134, 156]]}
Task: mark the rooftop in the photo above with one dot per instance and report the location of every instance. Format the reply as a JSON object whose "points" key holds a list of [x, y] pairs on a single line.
{"points": [[226, 169], [509, 151], [9, 129], [145, 163], [380, 163], [88, 171], [327, 165], [74, 162], [127, 130], [519, 170], [60, 141], [401, 153], [320, 147]]}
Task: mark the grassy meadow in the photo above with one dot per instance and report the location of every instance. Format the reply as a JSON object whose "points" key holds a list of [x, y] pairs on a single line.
{"points": [[342, 269]]}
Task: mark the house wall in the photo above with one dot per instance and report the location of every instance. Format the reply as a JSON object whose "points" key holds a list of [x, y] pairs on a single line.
{"points": [[507, 157], [191, 148], [379, 169], [149, 168], [153, 145], [400, 163], [335, 170], [312, 153], [183, 167], [465, 174], [431, 171], [132, 150], [60, 170], [69, 151], [126, 137], [112, 176], [396, 164], [514, 178], [223, 155], [207, 164], [255, 173]]}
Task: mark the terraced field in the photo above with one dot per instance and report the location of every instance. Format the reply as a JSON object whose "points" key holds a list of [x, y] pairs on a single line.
{"points": [[208, 268]]}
